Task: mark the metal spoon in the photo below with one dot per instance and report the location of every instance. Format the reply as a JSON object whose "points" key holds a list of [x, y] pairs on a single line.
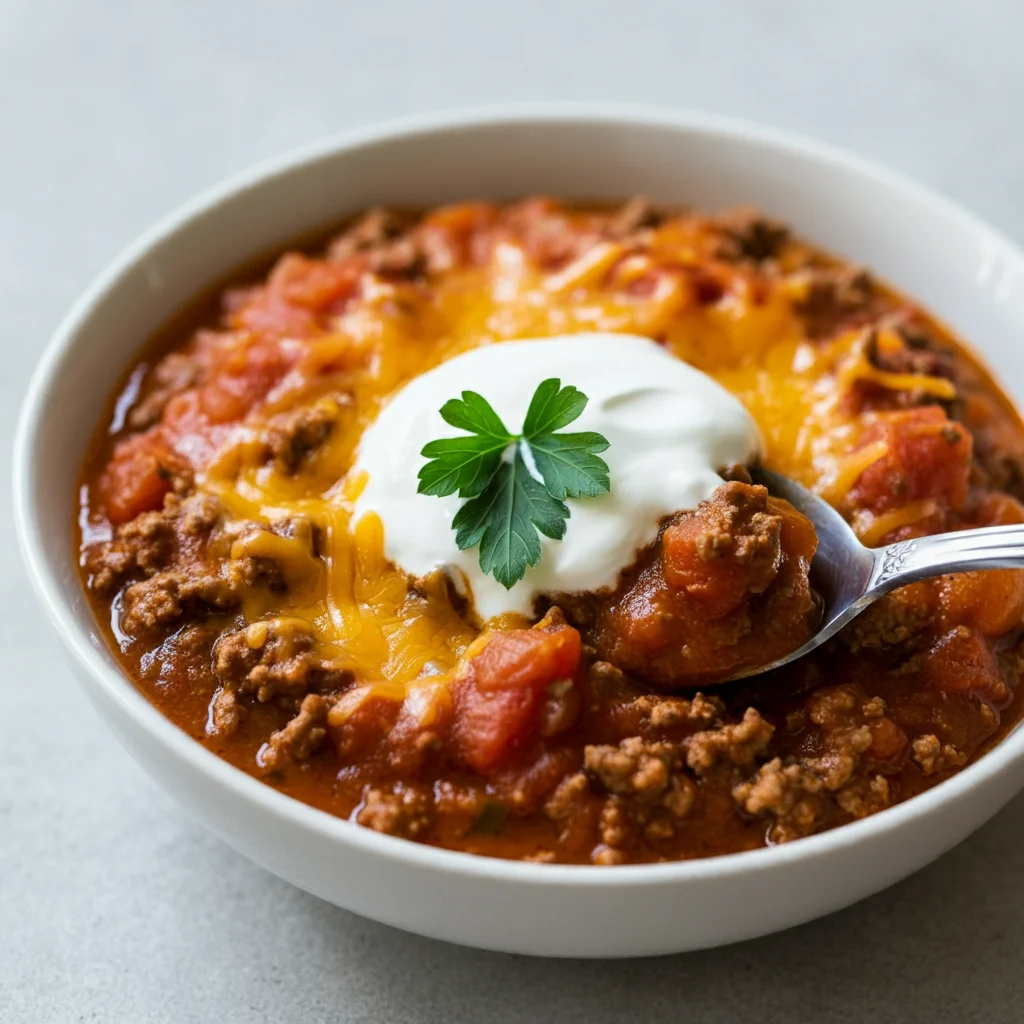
{"points": [[849, 576]]}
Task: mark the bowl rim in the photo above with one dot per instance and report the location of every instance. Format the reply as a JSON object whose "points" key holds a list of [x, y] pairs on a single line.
{"points": [[145, 716]]}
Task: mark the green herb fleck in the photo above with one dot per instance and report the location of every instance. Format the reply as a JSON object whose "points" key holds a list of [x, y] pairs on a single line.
{"points": [[515, 484], [491, 818]]}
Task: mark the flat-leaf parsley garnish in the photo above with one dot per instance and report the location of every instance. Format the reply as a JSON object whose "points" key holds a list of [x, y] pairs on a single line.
{"points": [[514, 484]]}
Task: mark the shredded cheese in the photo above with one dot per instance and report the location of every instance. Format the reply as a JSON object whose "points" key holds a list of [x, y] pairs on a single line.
{"points": [[752, 341], [872, 529]]}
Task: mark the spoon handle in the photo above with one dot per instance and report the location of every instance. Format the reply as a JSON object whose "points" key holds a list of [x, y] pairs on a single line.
{"points": [[992, 547]]}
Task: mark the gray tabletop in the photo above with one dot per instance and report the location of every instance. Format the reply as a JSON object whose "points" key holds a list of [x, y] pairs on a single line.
{"points": [[114, 905]]}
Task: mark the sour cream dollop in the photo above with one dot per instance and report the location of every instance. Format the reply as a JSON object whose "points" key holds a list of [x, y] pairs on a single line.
{"points": [[670, 429]]}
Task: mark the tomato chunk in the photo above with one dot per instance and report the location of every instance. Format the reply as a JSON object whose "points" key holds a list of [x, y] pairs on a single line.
{"points": [[499, 697], [729, 587], [316, 285], [271, 317], [454, 236], [136, 479], [992, 602], [927, 457], [961, 662], [724, 553], [719, 580]]}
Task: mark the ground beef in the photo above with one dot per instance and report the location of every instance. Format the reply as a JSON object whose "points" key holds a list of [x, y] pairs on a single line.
{"points": [[739, 744], [739, 525], [895, 623], [933, 756], [638, 790], [665, 716], [255, 544], [269, 659], [291, 438], [790, 795], [846, 735], [391, 244], [1002, 470], [916, 355], [226, 713], [864, 796], [541, 857], [633, 768], [606, 855], [714, 594], [152, 538], [176, 372], [750, 237], [372, 233], [151, 542], [837, 298], [403, 810], [648, 791], [459, 800], [881, 346], [153, 605], [667, 712], [300, 737], [801, 794], [184, 555], [108, 565], [569, 796], [669, 788]]}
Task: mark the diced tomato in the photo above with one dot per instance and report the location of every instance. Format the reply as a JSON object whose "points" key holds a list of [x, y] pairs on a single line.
{"points": [[518, 658], [360, 720], [194, 423], [245, 379], [992, 602], [421, 725], [888, 740], [317, 285], [136, 479], [269, 316], [721, 583], [499, 697], [543, 228], [961, 662], [997, 509], [184, 413], [718, 583], [456, 235], [928, 457], [527, 782]]}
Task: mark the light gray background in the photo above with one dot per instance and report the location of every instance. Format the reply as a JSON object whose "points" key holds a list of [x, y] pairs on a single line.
{"points": [[114, 905]]}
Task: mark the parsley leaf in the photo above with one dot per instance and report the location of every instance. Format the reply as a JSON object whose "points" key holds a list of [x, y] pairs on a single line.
{"points": [[553, 407], [474, 413], [504, 521], [465, 464], [515, 483], [569, 464]]}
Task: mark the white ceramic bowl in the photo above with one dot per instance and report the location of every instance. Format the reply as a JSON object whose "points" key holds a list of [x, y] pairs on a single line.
{"points": [[956, 265]]}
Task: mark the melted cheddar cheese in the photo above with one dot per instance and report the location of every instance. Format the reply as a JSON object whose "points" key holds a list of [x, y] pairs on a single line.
{"points": [[738, 321]]}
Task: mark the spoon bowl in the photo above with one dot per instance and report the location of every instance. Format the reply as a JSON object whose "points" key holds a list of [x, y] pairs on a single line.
{"points": [[848, 577]]}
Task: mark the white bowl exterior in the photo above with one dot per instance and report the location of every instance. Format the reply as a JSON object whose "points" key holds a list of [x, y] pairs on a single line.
{"points": [[959, 268]]}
